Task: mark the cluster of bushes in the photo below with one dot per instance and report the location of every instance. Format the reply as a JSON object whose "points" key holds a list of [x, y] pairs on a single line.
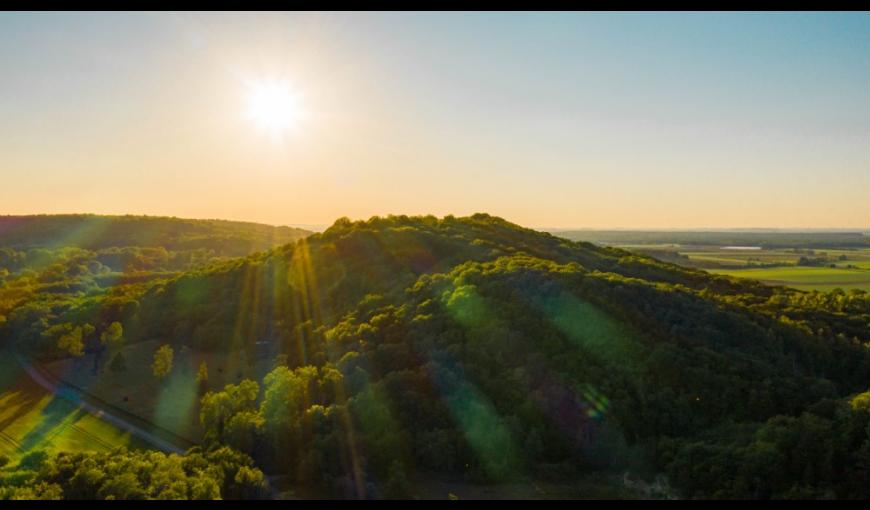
{"points": [[220, 473]]}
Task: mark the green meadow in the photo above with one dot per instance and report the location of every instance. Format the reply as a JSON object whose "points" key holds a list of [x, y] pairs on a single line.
{"points": [[806, 278], [844, 268], [852, 272], [32, 418]]}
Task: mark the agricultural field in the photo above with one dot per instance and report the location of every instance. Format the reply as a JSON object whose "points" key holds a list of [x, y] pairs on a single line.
{"points": [[32, 418], [806, 278], [821, 264], [780, 267]]}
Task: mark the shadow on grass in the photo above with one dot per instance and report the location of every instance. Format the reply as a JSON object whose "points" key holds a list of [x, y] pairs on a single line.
{"points": [[55, 419]]}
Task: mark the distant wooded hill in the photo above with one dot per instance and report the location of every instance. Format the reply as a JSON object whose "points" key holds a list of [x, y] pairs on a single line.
{"points": [[94, 232]]}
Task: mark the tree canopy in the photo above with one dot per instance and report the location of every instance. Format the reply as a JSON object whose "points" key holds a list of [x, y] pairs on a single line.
{"points": [[475, 347]]}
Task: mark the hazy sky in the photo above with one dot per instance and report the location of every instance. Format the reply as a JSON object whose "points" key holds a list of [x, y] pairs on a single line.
{"points": [[548, 120]]}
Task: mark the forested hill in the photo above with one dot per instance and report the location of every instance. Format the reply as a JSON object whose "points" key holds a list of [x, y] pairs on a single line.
{"points": [[94, 232], [474, 347]]}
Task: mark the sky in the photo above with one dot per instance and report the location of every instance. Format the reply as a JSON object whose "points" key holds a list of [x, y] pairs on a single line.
{"points": [[596, 120]]}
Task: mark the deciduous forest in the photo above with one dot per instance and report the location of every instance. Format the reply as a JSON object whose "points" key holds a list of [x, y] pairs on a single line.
{"points": [[378, 352]]}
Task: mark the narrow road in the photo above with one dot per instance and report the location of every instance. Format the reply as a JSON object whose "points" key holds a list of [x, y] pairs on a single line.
{"points": [[64, 391]]}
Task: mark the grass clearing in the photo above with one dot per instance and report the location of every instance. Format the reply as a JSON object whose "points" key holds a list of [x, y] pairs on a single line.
{"points": [[172, 404]]}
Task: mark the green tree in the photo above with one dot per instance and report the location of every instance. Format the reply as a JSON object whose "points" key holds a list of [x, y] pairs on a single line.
{"points": [[202, 376], [249, 483], [124, 486], [110, 339], [204, 487], [88, 332], [39, 491], [113, 335], [861, 401], [218, 408], [71, 342], [162, 361], [34, 460], [243, 431], [123, 474]]}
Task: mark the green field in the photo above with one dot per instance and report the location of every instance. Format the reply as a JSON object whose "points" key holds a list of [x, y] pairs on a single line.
{"points": [[806, 278], [773, 266], [851, 273], [31, 418]]}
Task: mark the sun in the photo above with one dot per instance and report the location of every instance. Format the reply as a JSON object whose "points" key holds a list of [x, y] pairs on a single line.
{"points": [[274, 106]]}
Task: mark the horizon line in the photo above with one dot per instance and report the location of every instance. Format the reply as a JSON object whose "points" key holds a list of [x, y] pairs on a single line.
{"points": [[324, 226]]}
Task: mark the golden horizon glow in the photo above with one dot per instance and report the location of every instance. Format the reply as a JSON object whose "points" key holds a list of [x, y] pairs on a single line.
{"points": [[569, 120]]}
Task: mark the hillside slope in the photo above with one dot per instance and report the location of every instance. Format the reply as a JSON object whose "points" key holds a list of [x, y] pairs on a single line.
{"points": [[59, 260], [474, 346], [94, 232]]}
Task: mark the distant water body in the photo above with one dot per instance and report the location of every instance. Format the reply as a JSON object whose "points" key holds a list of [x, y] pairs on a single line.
{"points": [[741, 247]]}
